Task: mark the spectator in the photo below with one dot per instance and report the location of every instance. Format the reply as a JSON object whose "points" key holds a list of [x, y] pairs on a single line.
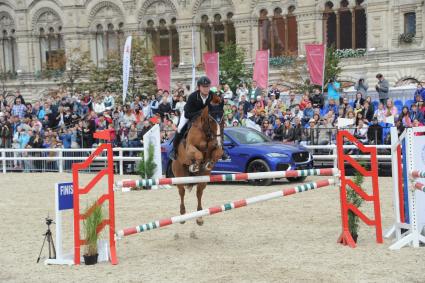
{"points": [[362, 87], [415, 114], [255, 91], [278, 131], [308, 113], [391, 109], [288, 132], [420, 91], [382, 88], [380, 113], [267, 128], [368, 111], [98, 106], [361, 132], [333, 90], [146, 109], [331, 106], [19, 109], [405, 117], [242, 90], [304, 101], [374, 132], [292, 100], [359, 99], [164, 107], [274, 91], [317, 100], [109, 101]]}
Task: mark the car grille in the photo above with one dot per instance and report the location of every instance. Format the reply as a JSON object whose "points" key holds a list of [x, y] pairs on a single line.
{"points": [[300, 157], [282, 167]]}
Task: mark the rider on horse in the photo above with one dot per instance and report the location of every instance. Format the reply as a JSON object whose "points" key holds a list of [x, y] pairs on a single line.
{"points": [[196, 102]]}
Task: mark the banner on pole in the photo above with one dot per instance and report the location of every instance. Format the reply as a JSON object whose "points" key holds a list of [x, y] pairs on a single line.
{"points": [[315, 62], [163, 72], [193, 85], [261, 68], [211, 65], [126, 67]]}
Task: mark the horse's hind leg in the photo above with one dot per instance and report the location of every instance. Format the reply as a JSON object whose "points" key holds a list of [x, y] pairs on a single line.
{"points": [[182, 207], [199, 190]]}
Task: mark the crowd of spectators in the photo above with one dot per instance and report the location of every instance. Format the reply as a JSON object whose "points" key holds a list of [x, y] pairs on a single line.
{"points": [[68, 120]]}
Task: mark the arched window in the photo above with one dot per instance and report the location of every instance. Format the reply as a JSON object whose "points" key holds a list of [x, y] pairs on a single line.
{"points": [[217, 33], [100, 42], [345, 29], [163, 39], [52, 49], [279, 32], [109, 41], [8, 51]]}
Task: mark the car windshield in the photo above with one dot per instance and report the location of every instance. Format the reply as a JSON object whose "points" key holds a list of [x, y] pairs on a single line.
{"points": [[247, 136]]}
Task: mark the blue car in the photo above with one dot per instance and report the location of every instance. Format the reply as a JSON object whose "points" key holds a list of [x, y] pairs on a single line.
{"points": [[251, 151]]}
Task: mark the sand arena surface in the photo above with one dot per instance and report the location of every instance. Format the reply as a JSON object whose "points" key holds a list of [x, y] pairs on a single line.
{"points": [[284, 240]]}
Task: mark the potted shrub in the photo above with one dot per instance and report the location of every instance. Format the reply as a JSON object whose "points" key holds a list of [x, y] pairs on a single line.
{"points": [[90, 225], [146, 167], [407, 37], [356, 200]]}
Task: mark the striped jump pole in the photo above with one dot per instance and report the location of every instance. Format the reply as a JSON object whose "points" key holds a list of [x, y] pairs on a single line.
{"points": [[226, 178], [419, 186], [418, 174], [225, 207]]}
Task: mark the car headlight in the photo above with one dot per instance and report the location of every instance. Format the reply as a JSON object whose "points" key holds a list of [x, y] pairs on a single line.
{"points": [[277, 155]]}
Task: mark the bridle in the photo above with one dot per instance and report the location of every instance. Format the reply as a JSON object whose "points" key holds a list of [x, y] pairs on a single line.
{"points": [[209, 131]]}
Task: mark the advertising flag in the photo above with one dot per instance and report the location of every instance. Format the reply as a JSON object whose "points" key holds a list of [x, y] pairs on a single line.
{"points": [[261, 68], [163, 72], [126, 67], [211, 65], [316, 62]]}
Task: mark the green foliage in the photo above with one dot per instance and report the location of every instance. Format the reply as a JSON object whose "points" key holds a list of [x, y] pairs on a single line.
{"points": [[407, 37], [350, 53], [146, 168], [356, 200], [281, 61], [90, 225], [108, 76], [332, 70], [78, 64], [232, 66]]}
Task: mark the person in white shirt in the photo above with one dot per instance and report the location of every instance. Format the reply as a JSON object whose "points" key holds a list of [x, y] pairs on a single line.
{"points": [[98, 106]]}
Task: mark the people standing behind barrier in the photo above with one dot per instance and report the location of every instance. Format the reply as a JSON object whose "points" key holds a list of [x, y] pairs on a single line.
{"points": [[374, 132], [391, 109], [361, 86], [359, 99], [317, 99], [382, 88]]}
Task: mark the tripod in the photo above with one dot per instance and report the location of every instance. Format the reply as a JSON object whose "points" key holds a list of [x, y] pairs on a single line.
{"points": [[49, 238]]}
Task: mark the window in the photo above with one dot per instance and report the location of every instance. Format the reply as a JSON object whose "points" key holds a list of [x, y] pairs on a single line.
{"points": [[410, 23], [278, 33], [8, 49], [52, 49], [106, 42], [345, 28], [217, 33], [163, 40]]}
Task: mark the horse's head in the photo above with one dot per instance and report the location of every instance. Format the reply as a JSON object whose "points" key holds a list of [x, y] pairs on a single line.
{"points": [[211, 121]]}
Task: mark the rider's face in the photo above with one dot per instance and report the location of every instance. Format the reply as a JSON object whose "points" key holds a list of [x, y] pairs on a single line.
{"points": [[204, 90]]}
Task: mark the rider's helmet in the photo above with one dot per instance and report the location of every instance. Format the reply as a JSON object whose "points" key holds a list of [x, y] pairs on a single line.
{"points": [[204, 81]]}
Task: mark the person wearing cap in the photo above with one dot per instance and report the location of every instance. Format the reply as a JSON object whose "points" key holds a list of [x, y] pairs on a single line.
{"points": [[196, 102], [274, 90]]}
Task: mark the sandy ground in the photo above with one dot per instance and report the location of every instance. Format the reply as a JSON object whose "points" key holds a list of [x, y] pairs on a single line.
{"points": [[291, 239]]}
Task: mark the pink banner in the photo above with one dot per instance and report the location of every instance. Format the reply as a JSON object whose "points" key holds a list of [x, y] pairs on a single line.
{"points": [[211, 65], [163, 72], [261, 68], [315, 62]]}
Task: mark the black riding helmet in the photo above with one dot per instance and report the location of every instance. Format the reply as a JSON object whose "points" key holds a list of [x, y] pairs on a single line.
{"points": [[204, 81]]}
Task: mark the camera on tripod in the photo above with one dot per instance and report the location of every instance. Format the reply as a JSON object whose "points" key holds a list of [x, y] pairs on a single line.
{"points": [[48, 237], [49, 221]]}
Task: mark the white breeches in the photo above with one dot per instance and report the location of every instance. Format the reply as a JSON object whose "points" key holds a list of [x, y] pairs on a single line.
{"points": [[182, 122]]}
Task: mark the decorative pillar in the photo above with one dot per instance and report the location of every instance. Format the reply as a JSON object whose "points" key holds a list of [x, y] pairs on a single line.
{"points": [[338, 28]]}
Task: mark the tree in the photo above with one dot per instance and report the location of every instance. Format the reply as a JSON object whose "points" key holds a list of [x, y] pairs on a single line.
{"points": [[78, 64], [108, 76], [232, 67], [332, 70]]}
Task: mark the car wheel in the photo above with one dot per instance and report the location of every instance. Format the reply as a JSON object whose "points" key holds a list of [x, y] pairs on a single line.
{"points": [[296, 179], [169, 173], [259, 165]]}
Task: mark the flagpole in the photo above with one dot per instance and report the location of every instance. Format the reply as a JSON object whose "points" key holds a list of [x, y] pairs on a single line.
{"points": [[193, 60], [324, 67]]}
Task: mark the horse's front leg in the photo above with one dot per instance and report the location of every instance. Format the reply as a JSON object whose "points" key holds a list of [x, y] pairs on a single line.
{"points": [[196, 157], [181, 193], [199, 191], [213, 157]]}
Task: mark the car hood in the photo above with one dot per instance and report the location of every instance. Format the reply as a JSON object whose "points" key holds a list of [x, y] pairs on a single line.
{"points": [[268, 147]]}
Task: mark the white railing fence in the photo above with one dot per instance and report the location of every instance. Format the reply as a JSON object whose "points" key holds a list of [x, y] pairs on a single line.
{"points": [[60, 160]]}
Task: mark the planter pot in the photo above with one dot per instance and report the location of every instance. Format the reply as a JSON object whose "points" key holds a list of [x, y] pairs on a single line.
{"points": [[355, 236], [90, 259], [147, 187]]}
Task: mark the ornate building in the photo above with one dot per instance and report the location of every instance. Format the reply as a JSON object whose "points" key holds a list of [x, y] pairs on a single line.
{"points": [[37, 34]]}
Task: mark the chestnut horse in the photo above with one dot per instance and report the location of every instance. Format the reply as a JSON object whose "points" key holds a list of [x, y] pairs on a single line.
{"points": [[198, 153]]}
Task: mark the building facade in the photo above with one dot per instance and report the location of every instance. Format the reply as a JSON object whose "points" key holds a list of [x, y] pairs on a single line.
{"points": [[37, 34]]}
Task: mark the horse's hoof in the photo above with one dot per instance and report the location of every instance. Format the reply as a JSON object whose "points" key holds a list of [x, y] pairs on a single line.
{"points": [[200, 221], [183, 222], [209, 166]]}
